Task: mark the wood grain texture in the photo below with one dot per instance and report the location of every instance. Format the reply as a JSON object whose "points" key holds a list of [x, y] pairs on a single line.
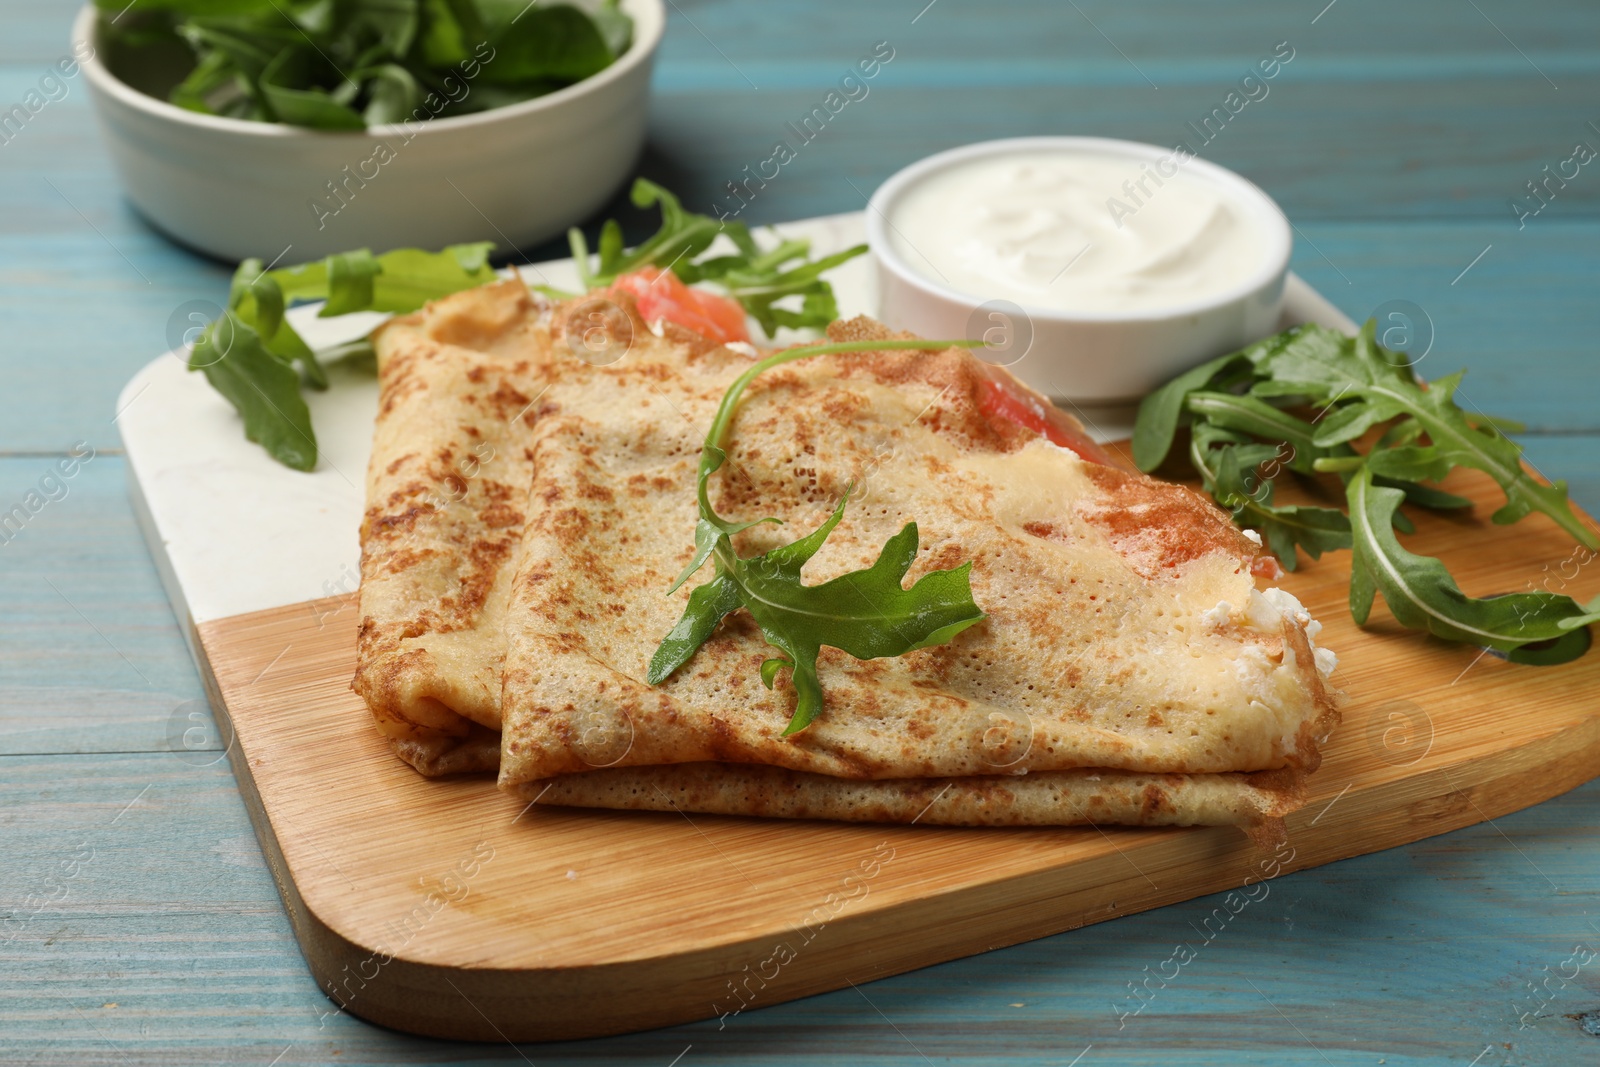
{"points": [[171, 947], [450, 909], [1411, 115], [91, 660]]}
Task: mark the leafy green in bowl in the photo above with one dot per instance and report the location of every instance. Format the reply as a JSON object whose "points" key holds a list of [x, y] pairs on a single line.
{"points": [[350, 64]]}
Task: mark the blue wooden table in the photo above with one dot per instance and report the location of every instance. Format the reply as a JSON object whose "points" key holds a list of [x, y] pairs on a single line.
{"points": [[138, 924]]}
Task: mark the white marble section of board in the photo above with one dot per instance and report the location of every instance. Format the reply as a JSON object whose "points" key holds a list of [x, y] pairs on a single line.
{"points": [[233, 531]]}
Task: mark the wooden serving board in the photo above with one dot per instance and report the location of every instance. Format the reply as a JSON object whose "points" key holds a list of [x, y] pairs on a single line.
{"points": [[450, 909]]}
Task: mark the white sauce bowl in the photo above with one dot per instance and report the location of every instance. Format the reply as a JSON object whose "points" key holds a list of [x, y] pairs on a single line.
{"points": [[514, 175], [1088, 353]]}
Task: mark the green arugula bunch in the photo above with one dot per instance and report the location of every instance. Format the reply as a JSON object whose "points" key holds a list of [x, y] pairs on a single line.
{"points": [[349, 64], [254, 357], [867, 613], [756, 278], [1240, 410]]}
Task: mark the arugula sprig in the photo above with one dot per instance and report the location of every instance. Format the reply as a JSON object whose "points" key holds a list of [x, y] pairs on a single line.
{"points": [[757, 278], [351, 64], [867, 613], [1228, 462], [252, 356], [1243, 433], [1422, 595], [256, 359]]}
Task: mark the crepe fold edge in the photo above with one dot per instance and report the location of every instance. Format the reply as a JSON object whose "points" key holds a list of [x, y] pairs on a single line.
{"points": [[1256, 802], [437, 757]]}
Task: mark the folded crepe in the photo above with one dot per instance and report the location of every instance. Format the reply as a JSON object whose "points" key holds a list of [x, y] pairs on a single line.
{"points": [[1128, 670], [1256, 801], [447, 489]]}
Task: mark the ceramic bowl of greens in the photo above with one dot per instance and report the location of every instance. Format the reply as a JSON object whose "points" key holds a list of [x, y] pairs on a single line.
{"points": [[299, 128]]}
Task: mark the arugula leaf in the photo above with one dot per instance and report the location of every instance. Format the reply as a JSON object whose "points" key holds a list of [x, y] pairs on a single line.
{"points": [[217, 8], [395, 22], [394, 94], [259, 301], [311, 107], [1422, 595], [708, 604], [757, 279], [682, 236], [350, 282], [264, 389], [867, 613], [706, 532], [556, 42], [1483, 447], [759, 288], [446, 27], [407, 278], [1369, 388], [213, 78], [251, 282], [1241, 438], [1424, 496], [250, 353], [1227, 464], [1160, 411], [1253, 416], [349, 64]]}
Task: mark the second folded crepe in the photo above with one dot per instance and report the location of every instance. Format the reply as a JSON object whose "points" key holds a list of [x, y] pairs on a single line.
{"points": [[1124, 630]]}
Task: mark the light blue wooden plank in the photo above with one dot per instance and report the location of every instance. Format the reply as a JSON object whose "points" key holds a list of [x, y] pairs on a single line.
{"points": [[36, 30], [707, 71], [1417, 956], [1326, 146], [1324, 150], [1399, 111], [1339, 101], [1157, 34], [1517, 320], [1573, 459], [92, 658], [1479, 119], [1170, 31]]}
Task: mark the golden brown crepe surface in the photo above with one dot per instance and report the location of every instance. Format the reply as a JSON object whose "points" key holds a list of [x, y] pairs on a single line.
{"points": [[430, 659], [447, 491], [1124, 631]]}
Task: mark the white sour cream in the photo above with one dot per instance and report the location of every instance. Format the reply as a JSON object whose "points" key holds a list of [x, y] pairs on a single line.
{"points": [[1078, 232]]}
